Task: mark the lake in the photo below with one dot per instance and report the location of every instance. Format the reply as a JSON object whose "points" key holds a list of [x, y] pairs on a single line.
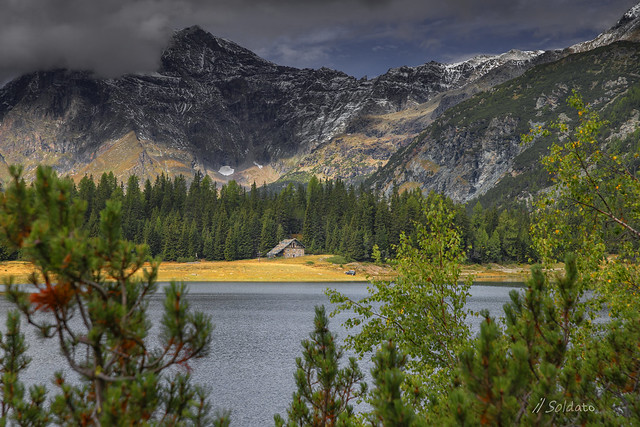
{"points": [[257, 337]]}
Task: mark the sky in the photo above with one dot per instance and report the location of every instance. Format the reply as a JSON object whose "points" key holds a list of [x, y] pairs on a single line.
{"points": [[358, 37]]}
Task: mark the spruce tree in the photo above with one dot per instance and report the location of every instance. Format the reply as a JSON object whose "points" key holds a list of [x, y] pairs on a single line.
{"points": [[124, 378], [389, 407], [324, 389], [268, 233]]}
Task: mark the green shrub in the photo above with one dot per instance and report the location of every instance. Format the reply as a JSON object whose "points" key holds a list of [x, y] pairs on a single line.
{"points": [[337, 259]]}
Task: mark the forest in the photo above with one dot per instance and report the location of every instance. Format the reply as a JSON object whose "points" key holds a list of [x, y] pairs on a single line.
{"points": [[185, 220]]}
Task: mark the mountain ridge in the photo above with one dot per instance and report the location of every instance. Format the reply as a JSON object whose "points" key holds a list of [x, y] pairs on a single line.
{"points": [[212, 103], [475, 145], [213, 106]]}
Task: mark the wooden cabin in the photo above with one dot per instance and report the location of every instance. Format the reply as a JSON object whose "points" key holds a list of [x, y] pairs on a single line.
{"points": [[288, 248]]}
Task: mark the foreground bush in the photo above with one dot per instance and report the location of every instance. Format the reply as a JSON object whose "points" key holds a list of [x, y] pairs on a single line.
{"points": [[90, 296]]}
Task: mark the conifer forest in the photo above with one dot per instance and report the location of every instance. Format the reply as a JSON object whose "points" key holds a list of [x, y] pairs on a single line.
{"points": [[185, 220]]}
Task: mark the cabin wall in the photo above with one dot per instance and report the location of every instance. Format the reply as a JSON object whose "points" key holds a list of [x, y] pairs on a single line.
{"points": [[293, 252]]}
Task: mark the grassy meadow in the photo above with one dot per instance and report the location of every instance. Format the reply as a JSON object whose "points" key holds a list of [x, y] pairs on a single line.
{"points": [[310, 268]]}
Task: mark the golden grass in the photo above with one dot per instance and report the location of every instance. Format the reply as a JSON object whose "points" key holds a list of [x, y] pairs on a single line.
{"points": [[310, 268], [260, 270], [19, 270]]}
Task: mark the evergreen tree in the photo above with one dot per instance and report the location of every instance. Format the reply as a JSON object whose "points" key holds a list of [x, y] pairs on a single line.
{"points": [[381, 229], [13, 361], [507, 230], [493, 249], [313, 229], [195, 241], [510, 378], [87, 192], [329, 216], [231, 242], [123, 377], [220, 235], [269, 232], [208, 250], [389, 407], [324, 389], [171, 238], [480, 246], [280, 233], [148, 194]]}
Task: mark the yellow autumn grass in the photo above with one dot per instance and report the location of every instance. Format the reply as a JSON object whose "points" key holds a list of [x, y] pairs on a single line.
{"points": [[310, 268]]}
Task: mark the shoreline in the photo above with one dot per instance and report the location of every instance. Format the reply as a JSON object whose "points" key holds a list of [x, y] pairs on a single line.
{"points": [[309, 268]]}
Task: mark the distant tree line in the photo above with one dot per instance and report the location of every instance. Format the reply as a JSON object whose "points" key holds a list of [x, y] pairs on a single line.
{"points": [[183, 221]]}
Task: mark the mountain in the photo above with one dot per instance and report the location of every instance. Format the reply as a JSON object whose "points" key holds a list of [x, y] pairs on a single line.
{"points": [[474, 148], [371, 137], [627, 28], [215, 107]]}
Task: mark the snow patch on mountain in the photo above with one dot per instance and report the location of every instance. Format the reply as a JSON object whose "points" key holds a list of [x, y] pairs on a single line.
{"points": [[226, 170]]}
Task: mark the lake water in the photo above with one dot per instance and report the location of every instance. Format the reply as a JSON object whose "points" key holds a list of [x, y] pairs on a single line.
{"points": [[257, 337]]}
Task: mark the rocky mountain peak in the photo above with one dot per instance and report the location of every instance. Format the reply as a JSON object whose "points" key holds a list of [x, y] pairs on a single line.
{"points": [[627, 28], [631, 14], [215, 106], [195, 51]]}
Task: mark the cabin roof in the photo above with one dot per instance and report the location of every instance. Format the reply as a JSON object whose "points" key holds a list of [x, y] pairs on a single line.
{"points": [[282, 246]]}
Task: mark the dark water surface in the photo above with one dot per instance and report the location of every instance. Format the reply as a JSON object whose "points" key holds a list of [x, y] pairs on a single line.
{"points": [[257, 337]]}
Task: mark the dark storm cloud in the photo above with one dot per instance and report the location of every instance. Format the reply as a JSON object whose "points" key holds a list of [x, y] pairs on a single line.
{"points": [[110, 37], [113, 37]]}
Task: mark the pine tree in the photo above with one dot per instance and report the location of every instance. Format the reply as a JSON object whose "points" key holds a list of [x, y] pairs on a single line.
{"points": [[324, 389], [313, 229], [507, 230], [87, 192], [506, 377], [124, 377], [381, 227], [13, 361], [493, 250], [195, 241], [268, 234], [208, 250], [389, 407], [280, 233], [480, 246], [171, 238], [132, 209], [231, 242], [221, 233]]}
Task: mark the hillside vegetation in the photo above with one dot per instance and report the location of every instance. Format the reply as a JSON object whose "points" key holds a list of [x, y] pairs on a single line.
{"points": [[474, 149]]}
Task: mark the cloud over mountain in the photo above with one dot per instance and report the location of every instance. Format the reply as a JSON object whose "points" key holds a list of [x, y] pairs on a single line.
{"points": [[113, 37]]}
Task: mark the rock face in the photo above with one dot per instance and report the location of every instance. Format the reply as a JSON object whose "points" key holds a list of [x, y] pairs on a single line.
{"points": [[211, 104], [475, 148], [627, 28], [215, 107]]}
